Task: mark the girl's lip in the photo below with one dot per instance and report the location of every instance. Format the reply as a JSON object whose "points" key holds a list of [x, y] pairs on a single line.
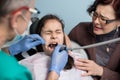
{"points": [[54, 44]]}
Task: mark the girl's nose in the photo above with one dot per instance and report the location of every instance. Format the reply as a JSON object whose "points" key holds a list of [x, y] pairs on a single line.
{"points": [[53, 36]]}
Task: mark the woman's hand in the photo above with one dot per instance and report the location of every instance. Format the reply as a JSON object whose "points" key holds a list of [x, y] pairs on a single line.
{"points": [[89, 66]]}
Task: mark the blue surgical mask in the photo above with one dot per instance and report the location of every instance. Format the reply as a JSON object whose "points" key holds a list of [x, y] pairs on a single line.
{"points": [[18, 37]]}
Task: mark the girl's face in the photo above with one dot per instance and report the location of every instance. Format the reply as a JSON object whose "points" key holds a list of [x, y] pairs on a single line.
{"points": [[52, 33], [101, 16]]}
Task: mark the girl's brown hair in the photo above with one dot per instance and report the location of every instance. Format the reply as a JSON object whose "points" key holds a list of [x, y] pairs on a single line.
{"points": [[41, 24]]}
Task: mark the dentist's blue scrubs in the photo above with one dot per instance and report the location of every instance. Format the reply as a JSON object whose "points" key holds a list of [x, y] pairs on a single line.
{"points": [[10, 69]]}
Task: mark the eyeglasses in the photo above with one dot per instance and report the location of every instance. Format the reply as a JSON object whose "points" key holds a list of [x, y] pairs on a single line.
{"points": [[101, 18], [35, 16], [35, 12]]}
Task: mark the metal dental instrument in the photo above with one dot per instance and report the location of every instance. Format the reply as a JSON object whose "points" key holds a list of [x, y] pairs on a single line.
{"points": [[91, 45]]}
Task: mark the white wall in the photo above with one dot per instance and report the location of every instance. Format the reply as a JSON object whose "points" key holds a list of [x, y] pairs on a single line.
{"points": [[71, 11]]}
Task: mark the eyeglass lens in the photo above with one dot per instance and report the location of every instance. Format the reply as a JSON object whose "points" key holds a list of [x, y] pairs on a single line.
{"points": [[101, 18]]}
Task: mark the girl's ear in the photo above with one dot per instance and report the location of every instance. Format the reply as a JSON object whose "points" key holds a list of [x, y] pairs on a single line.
{"points": [[67, 41]]}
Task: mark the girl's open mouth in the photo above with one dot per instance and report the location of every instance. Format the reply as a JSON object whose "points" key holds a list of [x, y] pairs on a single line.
{"points": [[52, 45]]}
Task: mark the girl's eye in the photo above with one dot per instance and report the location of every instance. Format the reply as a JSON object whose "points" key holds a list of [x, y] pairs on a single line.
{"points": [[58, 32], [48, 33]]}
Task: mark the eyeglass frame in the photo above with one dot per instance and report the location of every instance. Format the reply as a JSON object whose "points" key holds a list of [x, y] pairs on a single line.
{"points": [[99, 16], [33, 11]]}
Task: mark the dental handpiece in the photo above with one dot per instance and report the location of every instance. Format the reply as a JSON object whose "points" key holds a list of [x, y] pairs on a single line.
{"points": [[91, 45]]}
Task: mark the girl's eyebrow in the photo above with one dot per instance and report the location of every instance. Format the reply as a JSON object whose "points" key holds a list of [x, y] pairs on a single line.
{"points": [[59, 30], [48, 31]]}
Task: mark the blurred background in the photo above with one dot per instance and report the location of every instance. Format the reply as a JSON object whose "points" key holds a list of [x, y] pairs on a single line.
{"points": [[70, 11]]}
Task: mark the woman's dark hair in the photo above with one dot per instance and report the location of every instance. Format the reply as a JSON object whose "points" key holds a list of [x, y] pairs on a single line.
{"points": [[114, 3], [39, 27]]}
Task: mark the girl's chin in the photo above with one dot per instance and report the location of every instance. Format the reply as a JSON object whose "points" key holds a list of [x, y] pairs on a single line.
{"points": [[51, 50]]}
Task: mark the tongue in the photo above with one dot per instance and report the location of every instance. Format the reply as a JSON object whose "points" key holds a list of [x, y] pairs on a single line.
{"points": [[52, 45]]}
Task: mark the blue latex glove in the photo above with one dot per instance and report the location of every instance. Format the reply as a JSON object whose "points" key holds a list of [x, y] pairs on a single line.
{"points": [[59, 59], [28, 42]]}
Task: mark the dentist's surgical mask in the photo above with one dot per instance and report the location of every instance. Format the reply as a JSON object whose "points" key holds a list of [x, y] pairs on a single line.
{"points": [[18, 36]]}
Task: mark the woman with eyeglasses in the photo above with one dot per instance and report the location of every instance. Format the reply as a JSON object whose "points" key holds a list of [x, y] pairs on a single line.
{"points": [[104, 63]]}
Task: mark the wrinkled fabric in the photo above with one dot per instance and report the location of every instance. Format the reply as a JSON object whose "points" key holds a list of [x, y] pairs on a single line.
{"points": [[39, 64]]}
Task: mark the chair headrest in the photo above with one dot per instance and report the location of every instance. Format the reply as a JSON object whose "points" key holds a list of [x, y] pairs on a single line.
{"points": [[34, 26]]}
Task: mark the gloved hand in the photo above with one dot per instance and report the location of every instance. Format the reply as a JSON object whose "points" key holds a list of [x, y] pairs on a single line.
{"points": [[28, 42], [59, 59]]}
